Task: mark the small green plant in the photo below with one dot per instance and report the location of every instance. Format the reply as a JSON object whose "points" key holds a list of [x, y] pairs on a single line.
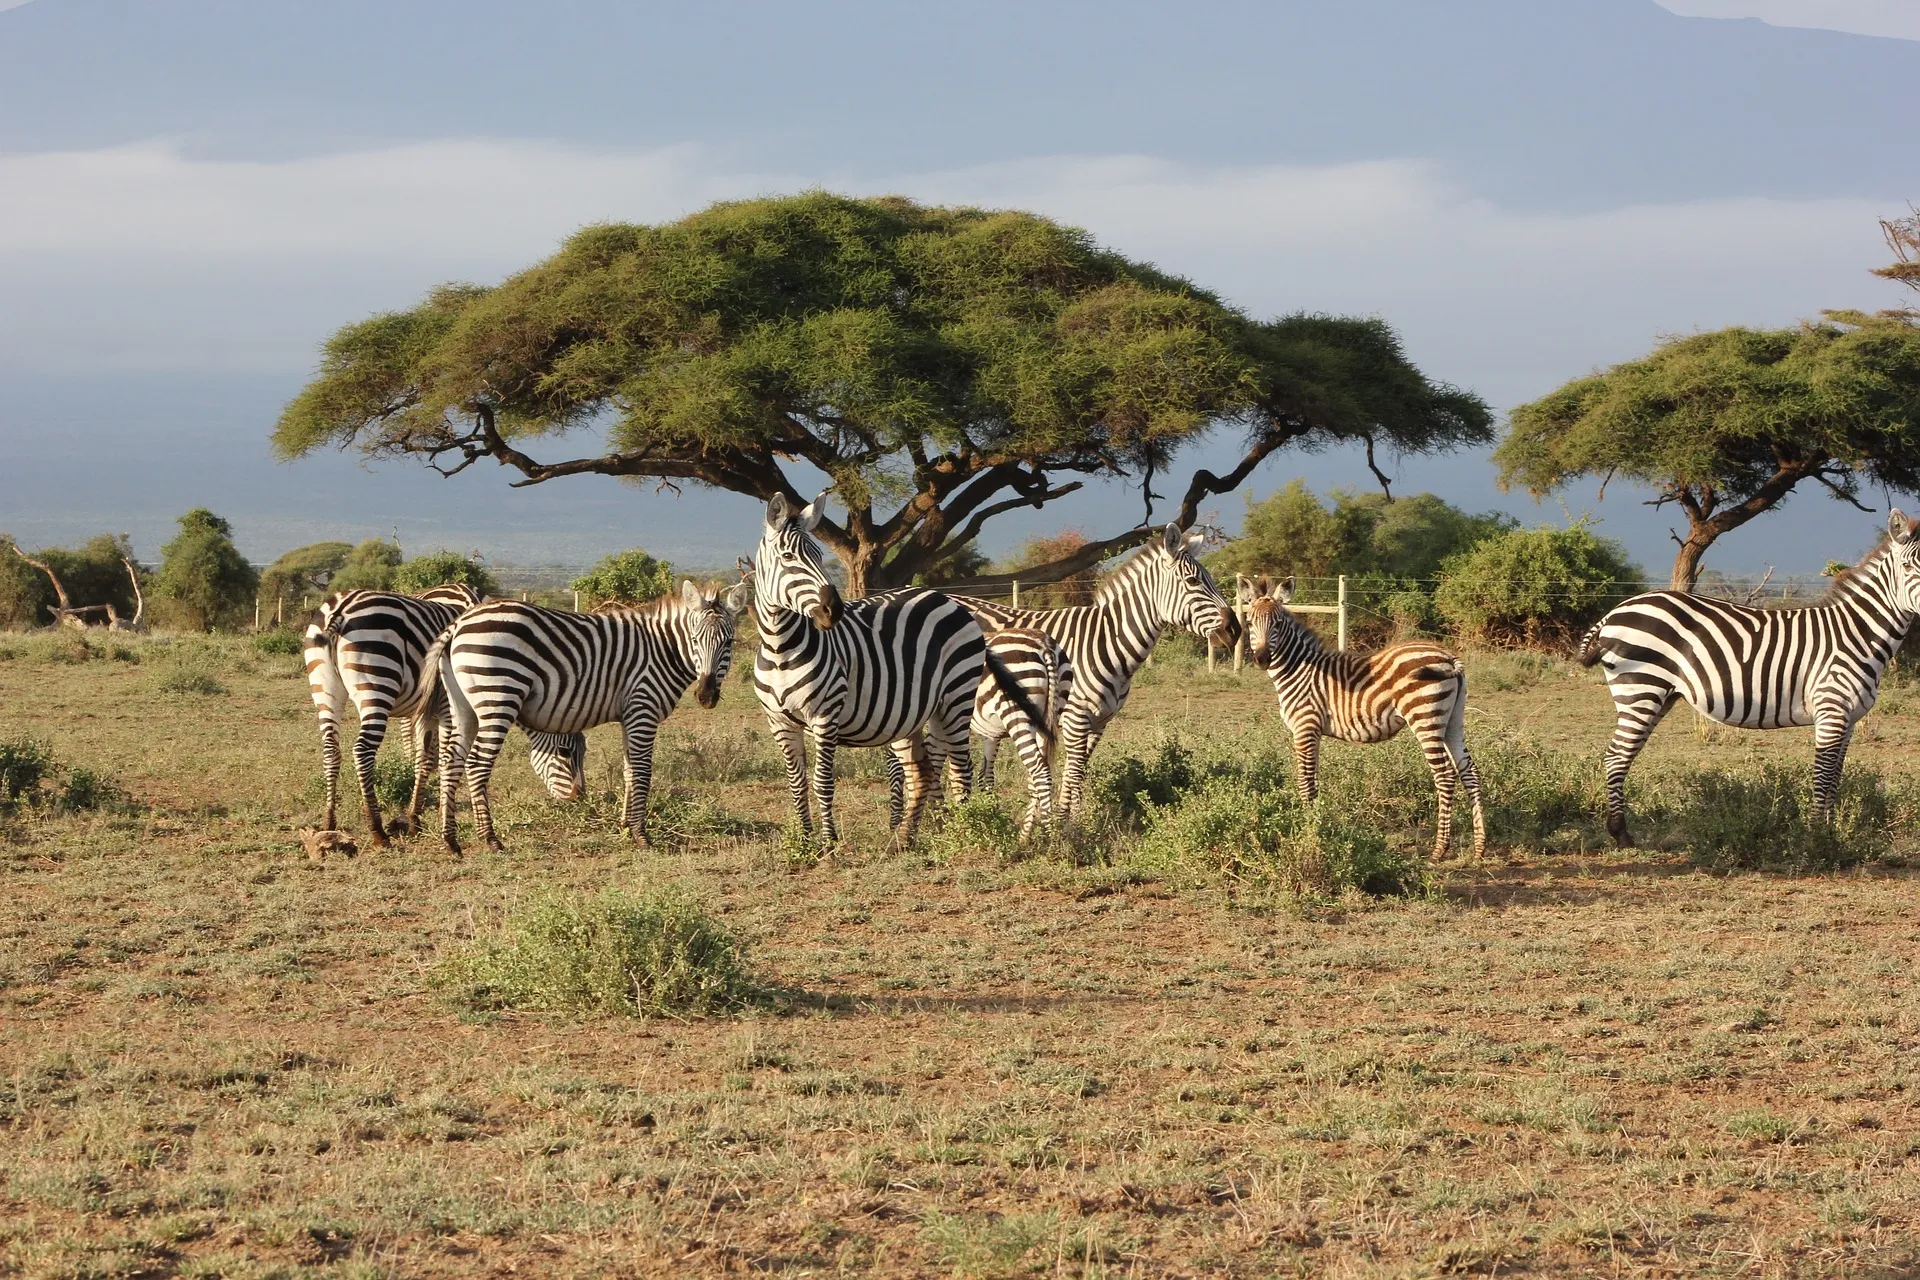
{"points": [[800, 850], [980, 825], [648, 951], [86, 790], [393, 782], [24, 766], [279, 641], [1761, 1126], [186, 672]]}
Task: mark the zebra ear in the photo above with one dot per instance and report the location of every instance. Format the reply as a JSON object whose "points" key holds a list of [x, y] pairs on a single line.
{"points": [[690, 594], [1899, 527], [1194, 538], [1172, 538], [776, 510], [1285, 594], [735, 600], [810, 514]]}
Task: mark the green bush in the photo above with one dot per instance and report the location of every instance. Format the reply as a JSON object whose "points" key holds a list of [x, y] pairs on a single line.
{"points": [[1764, 820], [280, 641], [438, 568], [979, 825], [368, 567], [204, 581], [1533, 586], [302, 573], [186, 671], [31, 778], [635, 953], [625, 577]]}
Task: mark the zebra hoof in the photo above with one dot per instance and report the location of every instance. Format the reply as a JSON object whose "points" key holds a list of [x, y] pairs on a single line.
{"points": [[494, 845], [1617, 828]]}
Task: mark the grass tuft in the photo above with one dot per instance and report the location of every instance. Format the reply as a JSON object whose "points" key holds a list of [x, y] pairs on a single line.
{"points": [[651, 951]]}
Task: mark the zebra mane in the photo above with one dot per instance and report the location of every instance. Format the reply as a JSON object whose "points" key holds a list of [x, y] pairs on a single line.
{"points": [[1845, 583], [1136, 566], [662, 606]]}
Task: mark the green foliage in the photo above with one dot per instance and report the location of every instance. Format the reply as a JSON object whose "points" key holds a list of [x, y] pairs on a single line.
{"points": [[647, 952], [282, 642], [625, 577], [93, 574], [1040, 549], [302, 572], [979, 825], [393, 782], [204, 580], [1534, 586], [438, 568], [1727, 423], [1390, 550], [858, 334], [962, 563], [186, 671], [368, 567], [1765, 820], [31, 778]]}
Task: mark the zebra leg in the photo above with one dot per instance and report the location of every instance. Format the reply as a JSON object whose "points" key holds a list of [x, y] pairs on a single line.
{"points": [[1831, 736], [451, 744], [1077, 739], [1637, 715], [421, 736], [366, 746], [908, 758], [641, 730], [896, 786], [330, 766], [1033, 754], [1433, 746], [1306, 761], [1469, 776], [481, 755], [793, 746], [823, 749], [989, 744]]}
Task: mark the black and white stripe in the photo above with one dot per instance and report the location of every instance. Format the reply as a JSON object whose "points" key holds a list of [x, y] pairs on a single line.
{"points": [[898, 670], [505, 663], [365, 647], [1162, 585], [1758, 668]]}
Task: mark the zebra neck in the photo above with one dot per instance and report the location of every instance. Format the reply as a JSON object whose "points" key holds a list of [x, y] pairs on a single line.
{"points": [[781, 630], [1297, 648], [672, 640], [1133, 626]]}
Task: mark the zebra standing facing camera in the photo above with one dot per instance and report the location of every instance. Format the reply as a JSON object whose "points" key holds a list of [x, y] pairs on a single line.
{"points": [[505, 663], [1758, 668], [366, 647]]}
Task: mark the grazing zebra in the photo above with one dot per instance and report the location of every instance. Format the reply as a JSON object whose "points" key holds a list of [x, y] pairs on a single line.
{"points": [[898, 670], [366, 647], [505, 663], [1758, 668], [1041, 668], [1367, 697], [1162, 585]]}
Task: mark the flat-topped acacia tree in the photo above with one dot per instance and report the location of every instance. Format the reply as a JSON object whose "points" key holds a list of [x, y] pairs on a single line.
{"points": [[941, 365]]}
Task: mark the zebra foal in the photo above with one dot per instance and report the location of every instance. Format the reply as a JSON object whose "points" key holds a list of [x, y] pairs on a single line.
{"points": [[1107, 642], [556, 673], [1367, 697], [898, 670], [1819, 665], [366, 647]]}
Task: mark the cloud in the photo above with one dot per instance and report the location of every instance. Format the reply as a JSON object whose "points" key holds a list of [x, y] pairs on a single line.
{"points": [[1896, 18], [143, 257]]}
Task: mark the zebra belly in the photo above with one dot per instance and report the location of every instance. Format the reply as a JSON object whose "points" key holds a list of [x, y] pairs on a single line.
{"points": [[1374, 728]]}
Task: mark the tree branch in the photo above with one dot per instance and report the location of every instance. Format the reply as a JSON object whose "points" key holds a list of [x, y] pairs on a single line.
{"points": [[1377, 473]]}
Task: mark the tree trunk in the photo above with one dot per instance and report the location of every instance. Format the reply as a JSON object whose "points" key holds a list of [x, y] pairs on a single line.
{"points": [[1686, 565]]}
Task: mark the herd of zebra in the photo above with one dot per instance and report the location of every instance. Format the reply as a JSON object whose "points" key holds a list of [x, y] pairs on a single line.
{"points": [[921, 673]]}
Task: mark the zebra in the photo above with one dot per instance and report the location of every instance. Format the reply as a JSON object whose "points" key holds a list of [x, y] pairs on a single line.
{"points": [[1161, 585], [366, 646], [1367, 697], [898, 670], [559, 673], [1818, 665], [1041, 668]]}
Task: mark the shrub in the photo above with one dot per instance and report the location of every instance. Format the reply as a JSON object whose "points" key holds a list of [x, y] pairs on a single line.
{"points": [[635, 953], [24, 766], [301, 573], [1764, 820], [393, 782], [438, 568], [1533, 586], [980, 825], [204, 581], [93, 574], [185, 671], [369, 566], [280, 642], [625, 577]]}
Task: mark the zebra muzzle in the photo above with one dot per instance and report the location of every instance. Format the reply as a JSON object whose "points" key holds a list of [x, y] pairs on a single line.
{"points": [[707, 692]]}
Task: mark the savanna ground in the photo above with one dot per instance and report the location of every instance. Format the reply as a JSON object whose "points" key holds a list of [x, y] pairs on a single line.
{"points": [[218, 1058]]}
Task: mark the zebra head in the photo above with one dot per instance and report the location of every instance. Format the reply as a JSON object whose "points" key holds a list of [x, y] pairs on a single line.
{"points": [[1187, 594], [1903, 553], [710, 614], [788, 570], [1269, 623], [560, 762]]}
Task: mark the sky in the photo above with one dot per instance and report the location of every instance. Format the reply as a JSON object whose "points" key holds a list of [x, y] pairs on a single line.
{"points": [[198, 192]]}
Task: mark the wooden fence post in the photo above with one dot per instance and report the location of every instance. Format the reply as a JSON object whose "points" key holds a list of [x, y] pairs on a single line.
{"points": [[1016, 593], [1341, 626]]}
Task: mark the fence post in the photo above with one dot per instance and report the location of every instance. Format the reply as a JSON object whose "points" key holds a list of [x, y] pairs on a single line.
{"points": [[1341, 627], [576, 602], [279, 610], [1016, 593], [256, 613]]}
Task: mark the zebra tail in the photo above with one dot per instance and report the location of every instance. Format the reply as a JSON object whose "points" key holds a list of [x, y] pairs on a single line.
{"points": [[428, 695], [1590, 644], [1018, 696], [332, 617]]}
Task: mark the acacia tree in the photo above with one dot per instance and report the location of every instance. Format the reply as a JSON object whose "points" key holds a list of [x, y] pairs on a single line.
{"points": [[1725, 425], [203, 577], [941, 366]]}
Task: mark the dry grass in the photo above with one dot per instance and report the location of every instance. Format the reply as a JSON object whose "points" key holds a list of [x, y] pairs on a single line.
{"points": [[218, 1058]]}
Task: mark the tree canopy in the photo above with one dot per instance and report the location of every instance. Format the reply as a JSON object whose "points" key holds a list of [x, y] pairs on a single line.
{"points": [[625, 577], [303, 571], [438, 568], [939, 365], [204, 579], [369, 567], [1725, 425]]}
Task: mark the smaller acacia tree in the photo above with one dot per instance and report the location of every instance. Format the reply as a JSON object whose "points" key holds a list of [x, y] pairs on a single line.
{"points": [[1051, 548], [368, 567], [302, 572], [204, 579], [625, 577], [438, 568], [1725, 425]]}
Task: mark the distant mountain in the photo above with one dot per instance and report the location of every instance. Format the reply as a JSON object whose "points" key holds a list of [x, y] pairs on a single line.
{"points": [[1560, 104]]}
